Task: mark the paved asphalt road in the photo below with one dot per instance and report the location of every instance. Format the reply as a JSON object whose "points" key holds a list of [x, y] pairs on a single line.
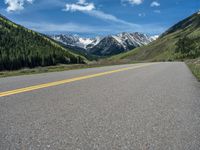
{"points": [[155, 107]]}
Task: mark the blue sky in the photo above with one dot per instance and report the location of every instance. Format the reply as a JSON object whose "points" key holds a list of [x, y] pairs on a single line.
{"points": [[98, 17]]}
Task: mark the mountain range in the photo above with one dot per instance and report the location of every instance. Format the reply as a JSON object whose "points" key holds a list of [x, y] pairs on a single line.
{"points": [[105, 46]]}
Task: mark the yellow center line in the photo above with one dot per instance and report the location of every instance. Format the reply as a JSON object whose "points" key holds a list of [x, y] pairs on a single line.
{"points": [[50, 84]]}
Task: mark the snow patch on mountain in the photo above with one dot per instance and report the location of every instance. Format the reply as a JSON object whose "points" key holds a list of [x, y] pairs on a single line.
{"points": [[107, 45], [85, 41], [132, 39], [155, 37], [74, 40]]}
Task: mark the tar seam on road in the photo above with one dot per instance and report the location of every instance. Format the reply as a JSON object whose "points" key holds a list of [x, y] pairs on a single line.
{"points": [[56, 83]]}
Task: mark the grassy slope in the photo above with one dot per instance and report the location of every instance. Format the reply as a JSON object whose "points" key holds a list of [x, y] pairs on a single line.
{"points": [[163, 49], [194, 66]]}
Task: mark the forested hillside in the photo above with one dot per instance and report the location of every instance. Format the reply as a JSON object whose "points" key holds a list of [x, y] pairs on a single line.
{"points": [[21, 47]]}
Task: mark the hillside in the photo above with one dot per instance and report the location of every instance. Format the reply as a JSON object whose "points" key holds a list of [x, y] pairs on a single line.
{"points": [[21, 47], [179, 42]]}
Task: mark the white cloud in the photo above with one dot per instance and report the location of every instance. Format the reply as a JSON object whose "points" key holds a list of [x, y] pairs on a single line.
{"points": [[81, 5], [155, 4], [81, 2], [109, 17], [30, 1], [133, 2], [90, 9], [16, 5]]}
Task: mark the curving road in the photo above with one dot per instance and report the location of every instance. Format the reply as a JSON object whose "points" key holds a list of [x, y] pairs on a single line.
{"points": [[128, 107]]}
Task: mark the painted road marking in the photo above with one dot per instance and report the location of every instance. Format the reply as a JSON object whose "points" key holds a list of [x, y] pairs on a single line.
{"points": [[56, 83]]}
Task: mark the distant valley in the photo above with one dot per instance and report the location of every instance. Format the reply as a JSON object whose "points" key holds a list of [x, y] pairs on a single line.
{"points": [[23, 48]]}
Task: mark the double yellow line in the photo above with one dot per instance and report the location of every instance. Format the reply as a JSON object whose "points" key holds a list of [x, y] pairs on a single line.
{"points": [[56, 83]]}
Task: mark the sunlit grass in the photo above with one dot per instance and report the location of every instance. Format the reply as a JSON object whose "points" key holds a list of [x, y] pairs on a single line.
{"points": [[195, 67]]}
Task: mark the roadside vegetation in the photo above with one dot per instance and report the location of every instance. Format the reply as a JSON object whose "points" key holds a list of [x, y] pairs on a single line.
{"points": [[194, 66], [57, 68], [38, 70], [188, 48]]}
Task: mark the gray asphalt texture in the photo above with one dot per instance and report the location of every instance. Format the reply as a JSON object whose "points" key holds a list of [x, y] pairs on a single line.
{"points": [[155, 107]]}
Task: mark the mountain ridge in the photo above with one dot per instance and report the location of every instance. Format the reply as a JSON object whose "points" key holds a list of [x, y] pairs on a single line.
{"points": [[107, 45]]}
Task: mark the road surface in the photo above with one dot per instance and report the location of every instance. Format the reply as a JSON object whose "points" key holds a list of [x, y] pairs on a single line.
{"points": [[128, 107]]}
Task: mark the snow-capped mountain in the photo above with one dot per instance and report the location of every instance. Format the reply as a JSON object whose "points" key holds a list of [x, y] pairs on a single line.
{"points": [[115, 44], [155, 37], [136, 39], [108, 45], [73, 40], [94, 42]]}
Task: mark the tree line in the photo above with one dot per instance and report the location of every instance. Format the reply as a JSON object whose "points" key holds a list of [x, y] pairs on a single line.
{"points": [[20, 47]]}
